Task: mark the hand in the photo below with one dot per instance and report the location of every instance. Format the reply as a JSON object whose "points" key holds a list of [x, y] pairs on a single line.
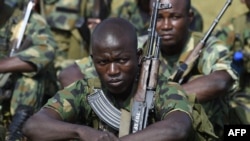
{"points": [[92, 22], [90, 134]]}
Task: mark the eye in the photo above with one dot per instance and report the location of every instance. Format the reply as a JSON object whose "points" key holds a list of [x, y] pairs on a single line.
{"points": [[159, 17], [123, 60], [102, 62], [175, 17]]}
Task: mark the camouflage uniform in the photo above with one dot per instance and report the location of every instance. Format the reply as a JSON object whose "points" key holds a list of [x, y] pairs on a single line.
{"points": [[197, 23], [130, 11], [72, 103], [29, 88], [207, 63], [63, 17], [236, 34]]}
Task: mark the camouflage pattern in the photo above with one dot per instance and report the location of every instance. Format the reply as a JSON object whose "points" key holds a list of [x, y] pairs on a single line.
{"points": [[71, 103], [30, 88], [236, 34], [65, 17], [214, 57], [197, 23], [131, 12]]}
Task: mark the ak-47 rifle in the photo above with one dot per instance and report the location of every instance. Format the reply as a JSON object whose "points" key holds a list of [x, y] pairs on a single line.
{"points": [[186, 66], [144, 96]]}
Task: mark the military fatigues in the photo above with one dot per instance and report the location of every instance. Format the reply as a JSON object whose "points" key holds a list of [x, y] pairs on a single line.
{"points": [[72, 103], [66, 17], [197, 23], [213, 58], [236, 34], [39, 50], [131, 12]]}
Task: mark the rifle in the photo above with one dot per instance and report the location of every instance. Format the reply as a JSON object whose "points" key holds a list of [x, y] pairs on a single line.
{"points": [[144, 96], [186, 66], [16, 45], [6, 80], [143, 100]]}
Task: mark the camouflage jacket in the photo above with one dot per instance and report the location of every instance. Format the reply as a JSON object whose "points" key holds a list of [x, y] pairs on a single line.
{"points": [[71, 103], [131, 12], [236, 34], [39, 50], [40, 46], [213, 57]]}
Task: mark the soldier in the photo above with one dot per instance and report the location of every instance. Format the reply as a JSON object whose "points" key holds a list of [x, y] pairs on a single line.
{"points": [[138, 13], [71, 22], [28, 71], [117, 66], [211, 79], [236, 34], [212, 69]]}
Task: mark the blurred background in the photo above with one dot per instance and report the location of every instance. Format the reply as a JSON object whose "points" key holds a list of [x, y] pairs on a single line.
{"points": [[210, 9]]}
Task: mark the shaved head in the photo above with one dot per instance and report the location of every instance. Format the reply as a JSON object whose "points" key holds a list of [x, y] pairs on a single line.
{"points": [[114, 31]]}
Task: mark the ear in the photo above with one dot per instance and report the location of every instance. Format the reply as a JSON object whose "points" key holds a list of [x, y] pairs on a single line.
{"points": [[140, 55], [191, 15]]}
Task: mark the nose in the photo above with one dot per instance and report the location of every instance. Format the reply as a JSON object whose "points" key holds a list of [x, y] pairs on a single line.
{"points": [[166, 24], [113, 69]]}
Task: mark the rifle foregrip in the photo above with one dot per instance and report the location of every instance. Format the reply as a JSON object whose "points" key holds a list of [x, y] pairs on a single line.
{"points": [[153, 74]]}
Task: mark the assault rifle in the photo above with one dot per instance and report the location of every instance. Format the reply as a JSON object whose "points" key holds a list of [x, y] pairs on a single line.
{"points": [[144, 97], [186, 66]]}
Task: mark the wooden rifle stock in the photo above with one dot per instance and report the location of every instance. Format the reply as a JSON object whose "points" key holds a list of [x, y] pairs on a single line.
{"points": [[186, 66]]}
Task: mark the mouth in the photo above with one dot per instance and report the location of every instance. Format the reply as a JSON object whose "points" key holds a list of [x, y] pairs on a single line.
{"points": [[115, 83], [166, 36]]}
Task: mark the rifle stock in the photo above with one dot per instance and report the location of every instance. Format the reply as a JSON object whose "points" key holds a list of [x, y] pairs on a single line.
{"points": [[144, 96], [186, 66]]}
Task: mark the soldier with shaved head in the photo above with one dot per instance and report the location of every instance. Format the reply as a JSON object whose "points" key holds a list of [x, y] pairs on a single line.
{"points": [[68, 115]]}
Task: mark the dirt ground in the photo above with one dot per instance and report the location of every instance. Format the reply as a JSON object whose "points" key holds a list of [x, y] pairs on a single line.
{"points": [[210, 9]]}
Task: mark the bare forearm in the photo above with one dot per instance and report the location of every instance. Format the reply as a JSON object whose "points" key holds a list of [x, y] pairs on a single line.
{"points": [[176, 127], [210, 86], [14, 64], [41, 128]]}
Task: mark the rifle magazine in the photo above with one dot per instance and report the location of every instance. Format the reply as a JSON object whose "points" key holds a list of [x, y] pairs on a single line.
{"points": [[104, 109]]}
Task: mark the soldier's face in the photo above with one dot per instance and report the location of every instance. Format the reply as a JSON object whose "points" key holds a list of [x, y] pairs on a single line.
{"points": [[173, 23], [116, 63]]}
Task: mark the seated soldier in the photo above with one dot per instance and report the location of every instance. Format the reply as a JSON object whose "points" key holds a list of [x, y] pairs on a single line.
{"points": [[69, 115]]}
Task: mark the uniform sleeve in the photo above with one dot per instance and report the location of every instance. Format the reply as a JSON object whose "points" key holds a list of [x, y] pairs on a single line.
{"points": [[216, 56], [170, 97], [87, 67], [41, 50], [70, 102]]}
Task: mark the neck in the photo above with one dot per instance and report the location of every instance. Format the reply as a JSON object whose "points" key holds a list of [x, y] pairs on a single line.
{"points": [[175, 49]]}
